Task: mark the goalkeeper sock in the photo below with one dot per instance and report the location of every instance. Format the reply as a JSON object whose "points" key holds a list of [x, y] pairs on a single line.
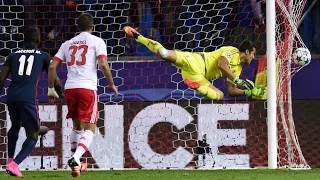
{"points": [[84, 144], [152, 45], [74, 139], [13, 135], [208, 93], [26, 150]]}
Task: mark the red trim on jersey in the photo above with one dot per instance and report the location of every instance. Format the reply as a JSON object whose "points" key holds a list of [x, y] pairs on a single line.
{"points": [[101, 56], [83, 146], [55, 58]]}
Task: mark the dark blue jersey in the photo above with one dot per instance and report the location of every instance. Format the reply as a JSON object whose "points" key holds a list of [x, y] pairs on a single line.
{"points": [[26, 66]]}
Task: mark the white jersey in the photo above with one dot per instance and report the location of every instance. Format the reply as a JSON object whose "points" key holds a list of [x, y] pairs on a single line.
{"points": [[80, 54]]}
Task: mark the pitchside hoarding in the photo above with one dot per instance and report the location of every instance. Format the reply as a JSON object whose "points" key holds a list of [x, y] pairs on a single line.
{"points": [[155, 125], [159, 135]]}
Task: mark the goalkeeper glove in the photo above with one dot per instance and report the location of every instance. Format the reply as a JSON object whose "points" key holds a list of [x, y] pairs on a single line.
{"points": [[52, 93], [247, 84], [257, 91]]}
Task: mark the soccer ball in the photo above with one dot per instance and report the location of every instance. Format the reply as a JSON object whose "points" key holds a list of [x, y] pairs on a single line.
{"points": [[301, 56]]}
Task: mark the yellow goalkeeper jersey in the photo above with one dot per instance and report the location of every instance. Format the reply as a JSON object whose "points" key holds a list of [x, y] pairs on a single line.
{"points": [[212, 59]]}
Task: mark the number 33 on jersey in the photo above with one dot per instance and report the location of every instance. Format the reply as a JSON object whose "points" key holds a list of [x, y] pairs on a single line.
{"points": [[80, 54]]}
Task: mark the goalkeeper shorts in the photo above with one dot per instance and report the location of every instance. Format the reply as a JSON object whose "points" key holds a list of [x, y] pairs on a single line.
{"points": [[192, 66]]}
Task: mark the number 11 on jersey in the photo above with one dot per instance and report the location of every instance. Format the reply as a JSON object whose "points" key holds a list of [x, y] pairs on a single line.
{"points": [[22, 61], [83, 59]]}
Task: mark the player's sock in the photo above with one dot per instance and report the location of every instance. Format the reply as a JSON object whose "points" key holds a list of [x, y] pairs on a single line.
{"points": [[74, 139], [152, 45], [26, 150], [208, 93], [84, 143], [13, 135]]}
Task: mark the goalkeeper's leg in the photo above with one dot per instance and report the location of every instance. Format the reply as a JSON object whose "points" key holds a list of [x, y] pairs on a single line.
{"points": [[154, 46], [202, 85], [210, 92]]}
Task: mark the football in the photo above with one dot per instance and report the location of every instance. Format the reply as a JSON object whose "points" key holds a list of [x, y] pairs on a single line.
{"points": [[301, 56]]}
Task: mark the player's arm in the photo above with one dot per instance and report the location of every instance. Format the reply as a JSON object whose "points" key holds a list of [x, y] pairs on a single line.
{"points": [[234, 91], [52, 75], [57, 84], [224, 68], [101, 51], [226, 71], [54, 85], [104, 67]]}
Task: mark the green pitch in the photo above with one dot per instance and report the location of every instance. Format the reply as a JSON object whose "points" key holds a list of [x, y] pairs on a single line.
{"points": [[175, 175]]}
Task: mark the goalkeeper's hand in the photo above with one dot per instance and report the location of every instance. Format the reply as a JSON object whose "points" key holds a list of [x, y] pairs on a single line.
{"points": [[247, 84], [257, 91]]}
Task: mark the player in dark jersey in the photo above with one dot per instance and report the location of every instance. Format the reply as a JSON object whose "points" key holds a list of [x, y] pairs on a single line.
{"points": [[25, 66]]}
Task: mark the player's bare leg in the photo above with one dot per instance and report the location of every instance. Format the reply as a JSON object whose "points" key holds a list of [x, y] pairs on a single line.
{"points": [[84, 143], [74, 141], [209, 92], [154, 46]]}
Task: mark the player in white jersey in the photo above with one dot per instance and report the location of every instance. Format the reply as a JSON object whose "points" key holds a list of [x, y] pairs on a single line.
{"points": [[81, 54]]}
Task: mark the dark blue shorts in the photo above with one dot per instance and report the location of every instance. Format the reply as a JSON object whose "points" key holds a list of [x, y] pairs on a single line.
{"points": [[23, 114]]}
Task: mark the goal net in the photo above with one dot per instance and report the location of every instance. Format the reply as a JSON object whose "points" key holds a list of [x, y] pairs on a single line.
{"points": [[156, 122], [288, 39]]}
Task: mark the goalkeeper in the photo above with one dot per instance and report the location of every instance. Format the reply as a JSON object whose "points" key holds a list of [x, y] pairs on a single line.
{"points": [[198, 69]]}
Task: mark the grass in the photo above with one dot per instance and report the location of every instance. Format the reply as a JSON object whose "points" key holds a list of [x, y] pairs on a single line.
{"points": [[262, 174]]}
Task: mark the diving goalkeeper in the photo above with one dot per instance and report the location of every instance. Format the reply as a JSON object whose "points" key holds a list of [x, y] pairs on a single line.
{"points": [[198, 69]]}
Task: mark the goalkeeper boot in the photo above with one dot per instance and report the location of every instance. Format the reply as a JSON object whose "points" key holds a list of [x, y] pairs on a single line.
{"points": [[131, 32], [13, 169], [191, 84], [74, 164]]}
